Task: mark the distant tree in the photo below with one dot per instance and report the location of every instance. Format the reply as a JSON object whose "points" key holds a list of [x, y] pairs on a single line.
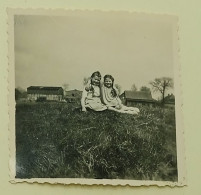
{"points": [[162, 85], [85, 80], [133, 87], [65, 86], [144, 88], [118, 87]]}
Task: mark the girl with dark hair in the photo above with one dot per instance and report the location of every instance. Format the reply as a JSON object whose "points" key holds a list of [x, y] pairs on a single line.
{"points": [[91, 94], [110, 98]]}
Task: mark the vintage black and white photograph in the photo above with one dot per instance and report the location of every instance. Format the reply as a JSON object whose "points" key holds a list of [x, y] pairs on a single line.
{"points": [[96, 97]]}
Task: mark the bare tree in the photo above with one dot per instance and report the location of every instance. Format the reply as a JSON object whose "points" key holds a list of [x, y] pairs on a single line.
{"points": [[144, 88], [133, 87], [65, 86], [86, 80], [118, 88], [162, 85]]}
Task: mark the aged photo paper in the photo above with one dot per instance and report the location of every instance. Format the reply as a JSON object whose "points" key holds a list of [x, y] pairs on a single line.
{"points": [[95, 98]]}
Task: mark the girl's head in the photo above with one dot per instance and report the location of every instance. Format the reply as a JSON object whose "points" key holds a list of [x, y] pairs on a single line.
{"points": [[95, 78], [108, 81]]}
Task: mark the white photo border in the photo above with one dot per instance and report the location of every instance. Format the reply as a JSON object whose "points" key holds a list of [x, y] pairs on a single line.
{"points": [[11, 99]]}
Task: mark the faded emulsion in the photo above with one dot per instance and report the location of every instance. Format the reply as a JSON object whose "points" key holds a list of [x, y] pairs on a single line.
{"points": [[95, 96]]}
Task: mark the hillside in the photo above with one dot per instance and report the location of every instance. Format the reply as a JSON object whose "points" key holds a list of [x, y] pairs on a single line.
{"points": [[57, 140]]}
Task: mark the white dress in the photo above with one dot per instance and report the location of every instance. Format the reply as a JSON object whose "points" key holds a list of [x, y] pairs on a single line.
{"points": [[93, 99], [108, 98]]}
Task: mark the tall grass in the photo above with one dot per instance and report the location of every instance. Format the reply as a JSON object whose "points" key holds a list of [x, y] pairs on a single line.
{"points": [[56, 140]]}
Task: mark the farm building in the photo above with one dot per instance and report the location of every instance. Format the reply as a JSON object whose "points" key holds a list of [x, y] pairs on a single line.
{"points": [[133, 98], [169, 100], [73, 95], [35, 93]]}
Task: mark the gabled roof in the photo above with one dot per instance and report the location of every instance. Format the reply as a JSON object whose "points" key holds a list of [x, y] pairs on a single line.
{"points": [[170, 98], [43, 88], [138, 95]]}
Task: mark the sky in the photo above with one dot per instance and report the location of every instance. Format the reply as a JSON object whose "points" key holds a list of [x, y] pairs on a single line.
{"points": [[52, 50]]}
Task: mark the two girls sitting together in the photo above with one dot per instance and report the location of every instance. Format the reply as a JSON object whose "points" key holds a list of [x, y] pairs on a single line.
{"points": [[101, 96]]}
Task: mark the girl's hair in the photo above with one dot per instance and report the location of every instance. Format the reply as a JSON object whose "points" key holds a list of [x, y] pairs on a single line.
{"points": [[113, 92], [97, 73], [90, 87]]}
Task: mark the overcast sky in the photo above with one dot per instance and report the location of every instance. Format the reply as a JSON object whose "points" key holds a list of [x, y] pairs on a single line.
{"points": [[53, 50]]}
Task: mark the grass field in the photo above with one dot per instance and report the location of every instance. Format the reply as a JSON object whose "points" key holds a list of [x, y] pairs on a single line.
{"points": [[57, 140]]}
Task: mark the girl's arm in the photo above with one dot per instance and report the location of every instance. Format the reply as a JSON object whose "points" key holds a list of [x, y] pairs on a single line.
{"points": [[118, 99], [84, 95], [88, 85], [104, 101]]}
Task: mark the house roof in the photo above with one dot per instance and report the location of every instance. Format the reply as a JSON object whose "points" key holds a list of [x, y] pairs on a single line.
{"points": [[170, 98], [139, 95], [45, 90]]}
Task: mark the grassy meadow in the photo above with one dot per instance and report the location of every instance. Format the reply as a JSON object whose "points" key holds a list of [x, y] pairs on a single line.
{"points": [[57, 140]]}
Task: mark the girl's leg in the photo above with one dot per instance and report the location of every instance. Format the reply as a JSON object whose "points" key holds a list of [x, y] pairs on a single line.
{"points": [[135, 109], [114, 109], [122, 111], [132, 110]]}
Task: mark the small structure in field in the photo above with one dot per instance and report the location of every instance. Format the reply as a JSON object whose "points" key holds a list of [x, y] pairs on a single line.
{"points": [[40, 93], [169, 100], [73, 95], [134, 98]]}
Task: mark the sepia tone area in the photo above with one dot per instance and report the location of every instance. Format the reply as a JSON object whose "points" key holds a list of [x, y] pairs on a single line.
{"points": [[58, 140], [54, 59]]}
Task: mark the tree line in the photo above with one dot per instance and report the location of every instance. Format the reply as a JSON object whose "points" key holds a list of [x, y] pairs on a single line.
{"points": [[160, 85]]}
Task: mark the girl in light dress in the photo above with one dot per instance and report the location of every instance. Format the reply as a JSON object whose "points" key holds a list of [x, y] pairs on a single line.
{"points": [[111, 99], [91, 97]]}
